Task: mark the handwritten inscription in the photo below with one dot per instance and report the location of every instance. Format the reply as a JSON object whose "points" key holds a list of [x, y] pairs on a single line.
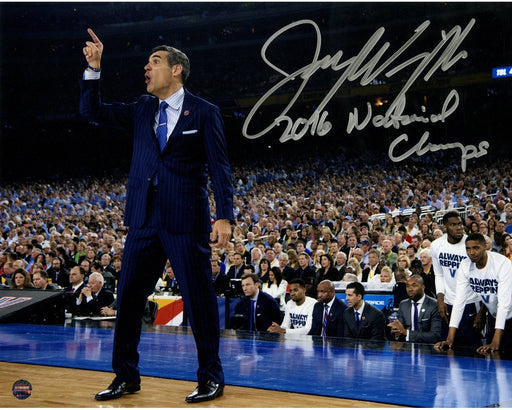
{"points": [[365, 67]]}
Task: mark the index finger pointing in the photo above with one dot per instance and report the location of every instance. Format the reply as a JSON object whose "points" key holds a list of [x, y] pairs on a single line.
{"points": [[93, 36]]}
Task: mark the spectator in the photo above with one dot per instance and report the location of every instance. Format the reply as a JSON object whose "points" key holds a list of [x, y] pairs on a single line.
{"points": [[428, 273], [58, 274], [327, 271], [263, 270], [74, 290], [94, 296], [220, 280], [372, 268], [400, 288], [418, 318], [298, 314], [276, 287], [40, 280], [237, 269], [362, 320], [286, 271], [21, 280]]}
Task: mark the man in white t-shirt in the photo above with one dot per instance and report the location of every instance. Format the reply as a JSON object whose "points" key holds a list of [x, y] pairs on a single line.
{"points": [[298, 314], [447, 253], [488, 275]]}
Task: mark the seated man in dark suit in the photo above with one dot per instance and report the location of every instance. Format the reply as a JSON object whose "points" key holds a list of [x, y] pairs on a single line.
{"points": [[220, 280], [426, 327], [74, 290], [328, 306], [94, 296], [362, 320], [40, 281], [264, 309], [237, 269]]}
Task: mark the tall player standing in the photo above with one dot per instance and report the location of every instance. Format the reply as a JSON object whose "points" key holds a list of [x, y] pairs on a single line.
{"points": [[448, 252]]}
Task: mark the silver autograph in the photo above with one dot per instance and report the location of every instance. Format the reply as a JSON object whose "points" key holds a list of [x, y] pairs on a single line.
{"points": [[365, 67]]}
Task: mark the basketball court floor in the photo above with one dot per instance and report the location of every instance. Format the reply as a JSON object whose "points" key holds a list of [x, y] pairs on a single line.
{"points": [[390, 373]]}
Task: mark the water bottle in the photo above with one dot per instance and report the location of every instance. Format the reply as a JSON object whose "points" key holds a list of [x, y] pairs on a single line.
{"points": [[392, 318]]}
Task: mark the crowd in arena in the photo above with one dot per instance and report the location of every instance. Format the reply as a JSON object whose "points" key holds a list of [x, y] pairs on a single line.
{"points": [[297, 229]]}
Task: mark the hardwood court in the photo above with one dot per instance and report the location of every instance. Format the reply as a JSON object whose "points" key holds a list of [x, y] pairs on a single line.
{"points": [[63, 387]]}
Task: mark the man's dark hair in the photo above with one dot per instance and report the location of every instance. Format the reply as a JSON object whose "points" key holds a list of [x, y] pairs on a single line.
{"points": [[251, 275], [43, 274], [299, 282], [451, 214], [358, 288], [476, 237], [250, 267], [176, 57]]}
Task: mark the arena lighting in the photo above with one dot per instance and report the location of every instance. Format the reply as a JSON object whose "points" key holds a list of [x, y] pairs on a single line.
{"points": [[502, 72]]}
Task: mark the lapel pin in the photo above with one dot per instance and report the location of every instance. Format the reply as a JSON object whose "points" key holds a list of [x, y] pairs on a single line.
{"points": [[422, 310], [186, 112]]}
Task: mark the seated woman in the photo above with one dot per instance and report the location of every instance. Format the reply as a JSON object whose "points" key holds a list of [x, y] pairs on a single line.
{"points": [[276, 287], [327, 269], [21, 280]]}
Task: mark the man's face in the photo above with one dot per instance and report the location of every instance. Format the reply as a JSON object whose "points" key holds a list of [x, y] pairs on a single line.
{"points": [[454, 228], [237, 260], [415, 289], [159, 75], [353, 300], [249, 287], [94, 284], [340, 259], [386, 247], [352, 242], [303, 261], [74, 276], [425, 260], [415, 243], [239, 247], [373, 259], [297, 293], [39, 282], [283, 262], [56, 264], [324, 292], [215, 268], [270, 255], [300, 247], [475, 251]]}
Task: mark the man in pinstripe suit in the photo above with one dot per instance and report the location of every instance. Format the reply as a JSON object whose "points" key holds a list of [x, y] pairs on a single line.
{"points": [[178, 142]]}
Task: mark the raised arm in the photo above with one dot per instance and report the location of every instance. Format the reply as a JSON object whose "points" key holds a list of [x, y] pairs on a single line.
{"points": [[93, 51]]}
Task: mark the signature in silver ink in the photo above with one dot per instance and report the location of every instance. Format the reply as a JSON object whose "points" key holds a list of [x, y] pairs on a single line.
{"points": [[422, 147], [364, 67]]}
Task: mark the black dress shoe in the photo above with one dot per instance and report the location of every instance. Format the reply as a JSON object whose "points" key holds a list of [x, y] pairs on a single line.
{"points": [[206, 391], [116, 390]]}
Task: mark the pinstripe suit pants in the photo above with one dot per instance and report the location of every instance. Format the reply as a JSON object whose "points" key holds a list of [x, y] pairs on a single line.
{"points": [[146, 251]]}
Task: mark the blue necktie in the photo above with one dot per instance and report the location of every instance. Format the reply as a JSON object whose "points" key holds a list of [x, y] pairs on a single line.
{"points": [[161, 131], [357, 319], [324, 322], [251, 319], [416, 319]]}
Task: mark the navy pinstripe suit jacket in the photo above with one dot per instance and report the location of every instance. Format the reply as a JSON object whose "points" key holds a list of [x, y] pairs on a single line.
{"points": [[195, 149]]}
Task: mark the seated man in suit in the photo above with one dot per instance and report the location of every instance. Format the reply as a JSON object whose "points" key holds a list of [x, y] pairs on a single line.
{"points": [[418, 317], [330, 307], [40, 281], [74, 290], [258, 309], [94, 296], [362, 320], [220, 280], [237, 269]]}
